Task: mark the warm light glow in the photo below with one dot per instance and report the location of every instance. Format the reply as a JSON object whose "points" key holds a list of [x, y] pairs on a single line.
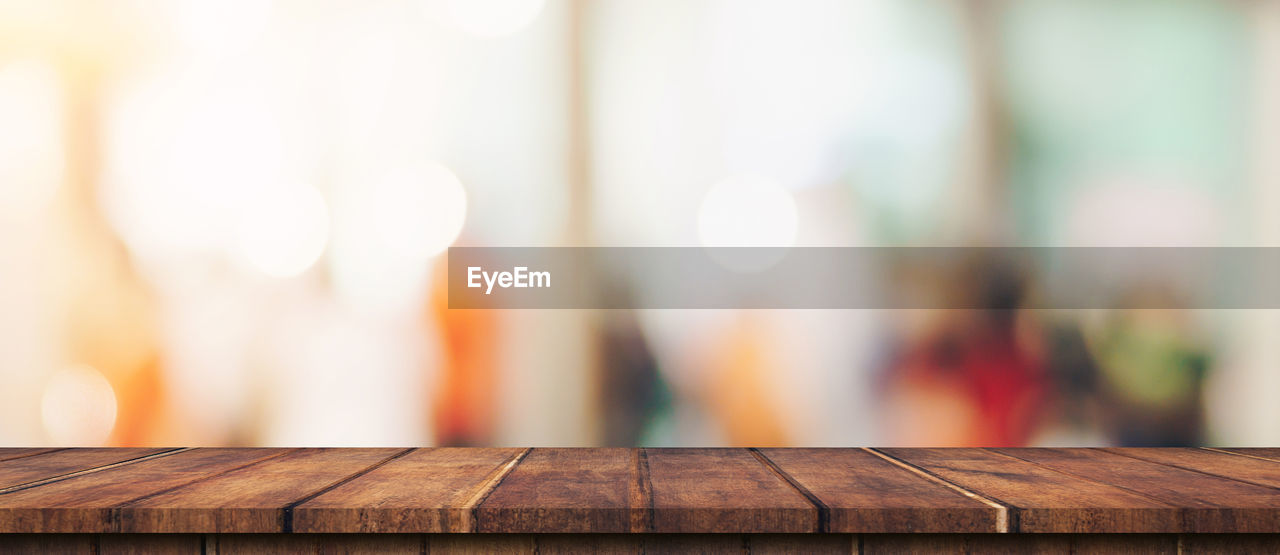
{"points": [[185, 159], [419, 212], [220, 27], [388, 231], [747, 211], [31, 143], [284, 230], [492, 18], [78, 407]]}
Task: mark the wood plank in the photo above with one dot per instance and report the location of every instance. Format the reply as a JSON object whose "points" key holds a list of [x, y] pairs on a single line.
{"points": [[1043, 500], [83, 504], [1066, 544], [567, 491], [347, 544], [1210, 504], [1240, 468], [250, 500], [16, 472], [7, 453], [723, 490], [768, 544], [481, 544], [865, 493], [1230, 543], [149, 544], [62, 544], [1271, 453], [425, 491]]}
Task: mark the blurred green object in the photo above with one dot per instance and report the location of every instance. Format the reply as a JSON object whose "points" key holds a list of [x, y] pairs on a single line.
{"points": [[1152, 379]]}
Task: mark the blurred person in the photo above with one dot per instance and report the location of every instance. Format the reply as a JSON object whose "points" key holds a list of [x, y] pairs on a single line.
{"points": [[738, 392], [634, 396], [969, 377], [1073, 408]]}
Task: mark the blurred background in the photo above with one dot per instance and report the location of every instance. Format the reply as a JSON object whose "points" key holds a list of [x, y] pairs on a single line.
{"points": [[223, 222]]}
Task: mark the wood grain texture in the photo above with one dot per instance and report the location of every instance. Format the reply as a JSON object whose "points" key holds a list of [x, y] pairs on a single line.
{"points": [[1251, 470], [1210, 504], [427, 490], [567, 491], [61, 544], [864, 493], [547, 544], [149, 544], [7, 453], [1043, 500], [86, 503], [1012, 544], [660, 495], [17, 472], [1270, 453], [723, 490], [253, 499], [308, 544]]}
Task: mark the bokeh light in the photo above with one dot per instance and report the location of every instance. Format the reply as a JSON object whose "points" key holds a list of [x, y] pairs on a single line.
{"points": [[387, 231], [747, 211], [31, 158], [184, 160], [492, 18], [419, 211], [284, 231], [78, 407], [220, 28]]}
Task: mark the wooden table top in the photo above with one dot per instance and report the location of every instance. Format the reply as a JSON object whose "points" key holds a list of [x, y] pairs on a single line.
{"points": [[617, 490]]}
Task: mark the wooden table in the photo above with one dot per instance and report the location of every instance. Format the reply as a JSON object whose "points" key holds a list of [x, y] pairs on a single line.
{"points": [[631, 500]]}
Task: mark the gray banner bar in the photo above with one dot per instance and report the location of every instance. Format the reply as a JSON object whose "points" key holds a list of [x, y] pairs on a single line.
{"points": [[864, 277]]}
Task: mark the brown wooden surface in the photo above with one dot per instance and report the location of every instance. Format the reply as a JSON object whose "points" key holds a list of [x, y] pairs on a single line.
{"points": [[7, 453], [1237, 467], [546, 544], [862, 492], [1271, 453], [296, 492], [251, 499], [1043, 500], [17, 472], [723, 490], [428, 490], [86, 503], [1209, 503], [567, 490]]}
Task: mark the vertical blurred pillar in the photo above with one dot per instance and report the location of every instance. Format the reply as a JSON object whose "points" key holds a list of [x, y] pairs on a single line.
{"points": [[585, 325], [550, 385], [985, 201], [109, 315], [1241, 399]]}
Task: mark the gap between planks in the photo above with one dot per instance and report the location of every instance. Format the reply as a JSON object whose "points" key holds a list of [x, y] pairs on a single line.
{"points": [[1080, 477], [33, 452], [824, 512], [486, 487], [115, 511], [640, 494], [90, 470], [1190, 469], [1238, 454], [287, 511], [1006, 514]]}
